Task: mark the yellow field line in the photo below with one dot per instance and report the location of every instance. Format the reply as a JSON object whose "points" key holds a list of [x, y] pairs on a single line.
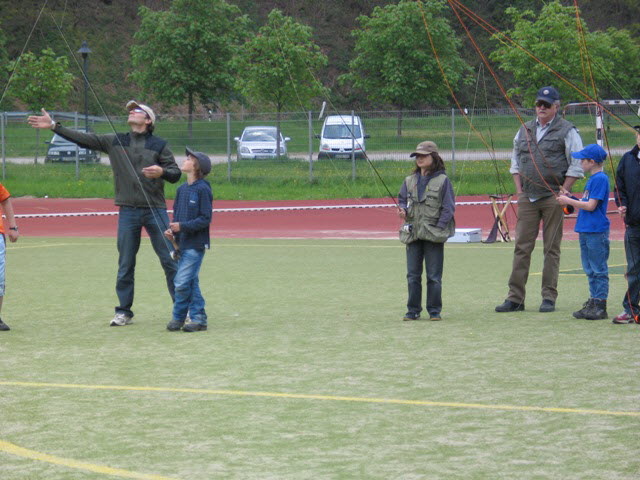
{"points": [[327, 397], [69, 462]]}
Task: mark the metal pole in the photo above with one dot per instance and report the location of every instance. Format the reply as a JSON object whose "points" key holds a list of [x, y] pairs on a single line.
{"points": [[85, 51], [86, 96], [229, 146], [310, 147], [75, 116], [453, 141], [353, 147], [599, 132], [4, 160]]}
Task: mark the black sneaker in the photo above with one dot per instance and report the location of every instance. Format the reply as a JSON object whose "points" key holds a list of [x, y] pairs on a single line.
{"points": [[411, 316], [547, 306], [509, 306], [194, 327], [3, 326], [174, 326], [580, 313]]}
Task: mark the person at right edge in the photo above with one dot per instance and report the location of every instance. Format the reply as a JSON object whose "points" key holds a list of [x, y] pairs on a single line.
{"points": [[426, 203], [628, 200], [542, 167]]}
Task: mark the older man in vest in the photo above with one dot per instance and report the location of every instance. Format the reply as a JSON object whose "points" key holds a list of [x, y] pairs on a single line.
{"points": [[542, 167]]}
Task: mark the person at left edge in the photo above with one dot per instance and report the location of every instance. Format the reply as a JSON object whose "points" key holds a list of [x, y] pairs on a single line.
{"points": [[139, 196], [7, 209], [426, 203]]}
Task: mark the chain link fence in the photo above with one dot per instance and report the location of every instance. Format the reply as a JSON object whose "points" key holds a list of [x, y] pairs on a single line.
{"points": [[479, 134]]}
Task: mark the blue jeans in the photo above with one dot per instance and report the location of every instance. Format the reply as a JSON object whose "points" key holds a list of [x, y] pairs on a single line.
{"points": [[188, 296], [131, 220], [594, 252], [632, 252], [432, 254]]}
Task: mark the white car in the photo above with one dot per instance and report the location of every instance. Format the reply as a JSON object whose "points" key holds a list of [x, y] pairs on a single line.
{"points": [[342, 134], [260, 143]]}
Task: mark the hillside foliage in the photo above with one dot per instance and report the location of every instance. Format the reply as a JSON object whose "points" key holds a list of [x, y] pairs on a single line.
{"points": [[110, 26]]}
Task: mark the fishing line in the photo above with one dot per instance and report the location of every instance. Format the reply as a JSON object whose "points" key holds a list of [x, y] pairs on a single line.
{"points": [[162, 227], [505, 39], [17, 62]]}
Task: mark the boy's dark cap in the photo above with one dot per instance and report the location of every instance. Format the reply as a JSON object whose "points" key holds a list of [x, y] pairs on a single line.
{"points": [[203, 161], [637, 128]]}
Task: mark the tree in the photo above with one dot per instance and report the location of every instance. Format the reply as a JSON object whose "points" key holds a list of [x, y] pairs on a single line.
{"points": [[4, 60], [40, 81], [552, 37], [395, 62], [183, 54], [280, 66]]}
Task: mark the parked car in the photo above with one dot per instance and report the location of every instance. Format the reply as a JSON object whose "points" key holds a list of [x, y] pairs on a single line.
{"points": [[62, 150], [340, 135], [260, 143]]}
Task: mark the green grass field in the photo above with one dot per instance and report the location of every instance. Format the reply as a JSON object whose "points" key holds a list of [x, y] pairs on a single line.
{"points": [[307, 371]]}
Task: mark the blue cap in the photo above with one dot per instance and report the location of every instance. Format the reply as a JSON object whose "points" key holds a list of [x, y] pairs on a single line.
{"points": [[548, 94], [593, 152]]}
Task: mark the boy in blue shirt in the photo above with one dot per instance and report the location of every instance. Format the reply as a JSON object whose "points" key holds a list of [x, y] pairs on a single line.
{"points": [[190, 231], [593, 228]]}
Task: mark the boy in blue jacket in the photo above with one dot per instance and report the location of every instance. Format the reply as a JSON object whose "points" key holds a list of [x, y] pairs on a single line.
{"points": [[190, 232], [593, 227]]}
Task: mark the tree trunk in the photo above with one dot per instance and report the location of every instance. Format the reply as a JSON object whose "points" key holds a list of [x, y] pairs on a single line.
{"points": [[190, 119], [35, 160], [278, 133], [399, 129]]}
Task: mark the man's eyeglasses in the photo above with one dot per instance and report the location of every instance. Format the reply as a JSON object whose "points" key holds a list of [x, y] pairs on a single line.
{"points": [[542, 103]]}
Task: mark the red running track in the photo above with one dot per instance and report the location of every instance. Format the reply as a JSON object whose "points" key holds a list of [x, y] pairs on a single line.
{"points": [[351, 220]]}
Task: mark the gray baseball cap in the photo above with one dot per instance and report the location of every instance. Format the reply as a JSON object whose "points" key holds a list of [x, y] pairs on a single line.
{"points": [[203, 161]]}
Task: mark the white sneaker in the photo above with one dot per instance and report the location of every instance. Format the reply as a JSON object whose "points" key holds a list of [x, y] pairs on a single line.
{"points": [[120, 320]]}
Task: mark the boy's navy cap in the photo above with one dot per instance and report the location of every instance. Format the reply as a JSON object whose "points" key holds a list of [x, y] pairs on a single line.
{"points": [[203, 160], [637, 128], [592, 152], [548, 94]]}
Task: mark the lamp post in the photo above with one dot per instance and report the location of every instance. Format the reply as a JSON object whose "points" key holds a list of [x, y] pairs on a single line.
{"points": [[85, 51]]}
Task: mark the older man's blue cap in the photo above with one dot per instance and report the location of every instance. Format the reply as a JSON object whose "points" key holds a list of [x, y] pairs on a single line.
{"points": [[548, 94], [593, 152]]}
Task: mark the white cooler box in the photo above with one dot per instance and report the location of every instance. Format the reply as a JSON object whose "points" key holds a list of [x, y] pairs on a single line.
{"points": [[466, 235]]}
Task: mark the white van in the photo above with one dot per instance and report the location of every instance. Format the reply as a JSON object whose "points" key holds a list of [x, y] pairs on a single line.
{"points": [[340, 134]]}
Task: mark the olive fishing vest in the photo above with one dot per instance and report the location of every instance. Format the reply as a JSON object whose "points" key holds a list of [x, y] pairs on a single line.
{"points": [[423, 213], [543, 165]]}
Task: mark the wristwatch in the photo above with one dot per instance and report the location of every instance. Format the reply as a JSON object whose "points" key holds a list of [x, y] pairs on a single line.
{"points": [[13, 228]]}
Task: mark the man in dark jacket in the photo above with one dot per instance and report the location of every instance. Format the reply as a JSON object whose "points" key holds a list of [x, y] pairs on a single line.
{"points": [[628, 200], [141, 162]]}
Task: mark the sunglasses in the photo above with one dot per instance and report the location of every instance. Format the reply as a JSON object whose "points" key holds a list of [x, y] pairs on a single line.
{"points": [[137, 110], [542, 103]]}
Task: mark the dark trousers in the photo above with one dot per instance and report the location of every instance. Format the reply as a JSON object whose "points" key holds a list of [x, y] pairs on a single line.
{"points": [[432, 255], [632, 251], [131, 221]]}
